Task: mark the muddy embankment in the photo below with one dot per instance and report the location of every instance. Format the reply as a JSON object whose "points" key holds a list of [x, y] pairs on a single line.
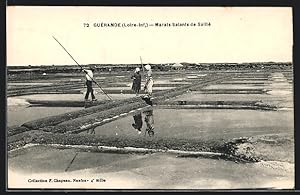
{"points": [[57, 88], [249, 105], [233, 91], [180, 104], [243, 150], [65, 103]]}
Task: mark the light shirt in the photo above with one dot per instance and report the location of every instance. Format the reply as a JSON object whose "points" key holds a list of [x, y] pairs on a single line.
{"points": [[89, 75], [149, 74]]}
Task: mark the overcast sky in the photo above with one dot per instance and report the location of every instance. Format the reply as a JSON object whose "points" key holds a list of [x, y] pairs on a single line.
{"points": [[235, 35]]}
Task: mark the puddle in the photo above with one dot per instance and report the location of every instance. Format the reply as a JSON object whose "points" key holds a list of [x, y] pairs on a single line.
{"points": [[157, 83], [178, 79], [31, 84], [281, 99], [17, 115], [280, 86], [57, 160], [77, 97], [192, 77], [234, 86], [80, 80], [245, 82], [16, 102], [250, 79], [201, 75], [277, 88], [18, 111], [192, 124], [170, 82], [199, 96], [277, 92]]}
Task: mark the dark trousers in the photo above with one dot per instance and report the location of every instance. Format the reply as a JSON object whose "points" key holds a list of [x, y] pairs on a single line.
{"points": [[89, 85]]}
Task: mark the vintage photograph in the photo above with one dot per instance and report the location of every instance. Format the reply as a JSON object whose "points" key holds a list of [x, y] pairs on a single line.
{"points": [[150, 98]]}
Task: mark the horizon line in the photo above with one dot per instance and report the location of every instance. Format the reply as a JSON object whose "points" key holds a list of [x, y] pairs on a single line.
{"points": [[151, 63]]}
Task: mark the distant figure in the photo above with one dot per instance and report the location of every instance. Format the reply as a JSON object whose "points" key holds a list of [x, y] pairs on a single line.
{"points": [[138, 122], [89, 83], [136, 81], [149, 81]]}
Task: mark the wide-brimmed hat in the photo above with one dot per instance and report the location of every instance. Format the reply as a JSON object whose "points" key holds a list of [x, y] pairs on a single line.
{"points": [[147, 67]]}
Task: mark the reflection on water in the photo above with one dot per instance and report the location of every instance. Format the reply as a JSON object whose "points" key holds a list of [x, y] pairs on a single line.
{"points": [[139, 119], [149, 122], [90, 131], [138, 122]]}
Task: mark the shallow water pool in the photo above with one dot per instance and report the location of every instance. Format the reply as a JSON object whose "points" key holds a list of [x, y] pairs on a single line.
{"points": [[192, 124]]}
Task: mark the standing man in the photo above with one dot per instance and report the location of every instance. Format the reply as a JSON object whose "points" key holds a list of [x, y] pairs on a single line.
{"points": [[149, 81], [89, 83], [136, 81]]}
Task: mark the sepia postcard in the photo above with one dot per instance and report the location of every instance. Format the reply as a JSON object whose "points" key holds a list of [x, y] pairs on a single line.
{"points": [[150, 98]]}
